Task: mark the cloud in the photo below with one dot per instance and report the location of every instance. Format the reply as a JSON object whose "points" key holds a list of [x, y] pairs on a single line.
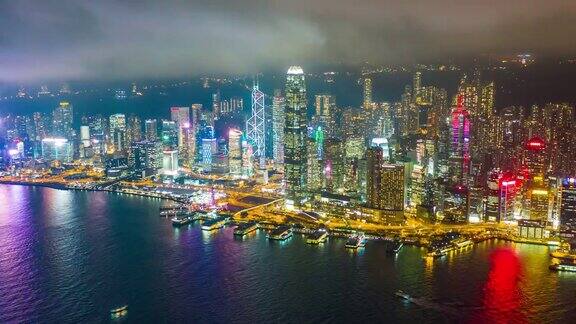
{"points": [[84, 40]]}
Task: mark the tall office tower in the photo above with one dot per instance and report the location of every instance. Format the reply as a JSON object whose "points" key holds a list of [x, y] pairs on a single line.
{"points": [[561, 139], [417, 86], [62, 120], [295, 136], [568, 204], [314, 169], [118, 132], [492, 196], [85, 142], [216, 104], [367, 93], [539, 202], [135, 129], [151, 129], [235, 152], [278, 123], [486, 121], [334, 171], [507, 194], [170, 162], [146, 158], [417, 177], [468, 93], [236, 104], [181, 116], [324, 104], [460, 144], [206, 151], [324, 112], [247, 163], [374, 163], [256, 126], [195, 112], [39, 126], [535, 158], [169, 134], [392, 187]]}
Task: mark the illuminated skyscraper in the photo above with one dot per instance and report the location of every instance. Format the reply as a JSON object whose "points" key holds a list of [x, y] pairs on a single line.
{"points": [[334, 172], [169, 134], [568, 204], [460, 144], [62, 121], [315, 173], [170, 162], [535, 157], [278, 124], [367, 93], [151, 129], [374, 162], [295, 136], [146, 158], [235, 152], [181, 116], [118, 132], [256, 126], [393, 189]]}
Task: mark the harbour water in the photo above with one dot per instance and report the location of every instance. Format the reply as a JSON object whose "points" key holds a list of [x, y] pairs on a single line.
{"points": [[71, 256]]}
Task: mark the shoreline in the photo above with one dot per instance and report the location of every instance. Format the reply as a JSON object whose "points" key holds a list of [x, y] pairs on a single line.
{"points": [[375, 236], [59, 186]]}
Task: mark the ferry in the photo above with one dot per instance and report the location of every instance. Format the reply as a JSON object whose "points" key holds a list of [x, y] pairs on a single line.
{"points": [[319, 236], [280, 233], [173, 212], [438, 253], [394, 247], [119, 312], [403, 295], [461, 243], [356, 241], [570, 267], [213, 224], [182, 220], [245, 228], [563, 254]]}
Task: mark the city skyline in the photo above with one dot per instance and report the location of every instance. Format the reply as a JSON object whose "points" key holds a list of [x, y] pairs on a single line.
{"points": [[211, 161]]}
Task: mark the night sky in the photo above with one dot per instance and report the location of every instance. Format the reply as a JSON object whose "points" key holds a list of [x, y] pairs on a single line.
{"points": [[107, 40]]}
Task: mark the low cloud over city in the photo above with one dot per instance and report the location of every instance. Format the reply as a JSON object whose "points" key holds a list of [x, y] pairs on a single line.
{"points": [[95, 40]]}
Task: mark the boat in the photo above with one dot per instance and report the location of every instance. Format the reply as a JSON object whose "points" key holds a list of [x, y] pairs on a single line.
{"points": [[280, 233], [394, 247], [356, 241], [438, 253], [246, 228], [461, 243], [182, 220], [570, 267], [214, 223], [403, 295], [317, 237], [173, 212], [563, 254], [119, 311]]}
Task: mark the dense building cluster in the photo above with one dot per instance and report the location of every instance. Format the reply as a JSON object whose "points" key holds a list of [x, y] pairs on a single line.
{"points": [[437, 156]]}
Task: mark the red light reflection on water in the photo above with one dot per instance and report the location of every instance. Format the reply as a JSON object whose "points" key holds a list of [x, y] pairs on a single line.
{"points": [[502, 290]]}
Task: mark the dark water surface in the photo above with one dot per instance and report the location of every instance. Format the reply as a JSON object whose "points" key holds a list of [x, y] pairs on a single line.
{"points": [[72, 256]]}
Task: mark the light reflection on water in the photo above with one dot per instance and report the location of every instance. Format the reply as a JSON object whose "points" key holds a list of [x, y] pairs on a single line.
{"points": [[73, 256]]}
